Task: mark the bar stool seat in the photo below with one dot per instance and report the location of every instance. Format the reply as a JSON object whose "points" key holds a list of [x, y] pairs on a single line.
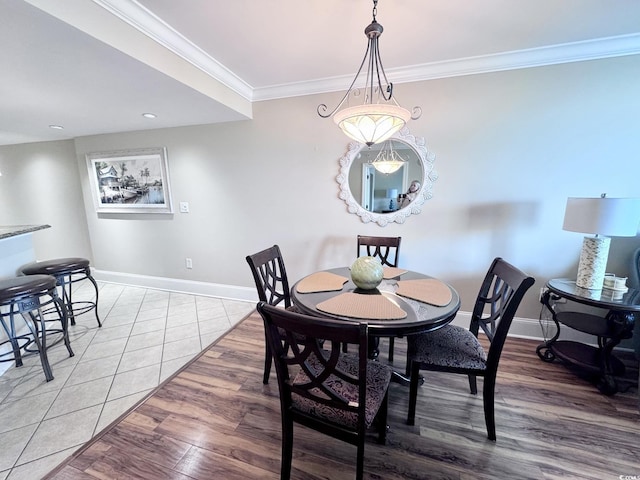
{"points": [[68, 271], [28, 298]]}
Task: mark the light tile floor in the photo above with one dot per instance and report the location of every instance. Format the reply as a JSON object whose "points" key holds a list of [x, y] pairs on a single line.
{"points": [[146, 336]]}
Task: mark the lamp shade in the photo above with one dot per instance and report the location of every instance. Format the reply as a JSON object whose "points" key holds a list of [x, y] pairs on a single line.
{"points": [[371, 123], [612, 217]]}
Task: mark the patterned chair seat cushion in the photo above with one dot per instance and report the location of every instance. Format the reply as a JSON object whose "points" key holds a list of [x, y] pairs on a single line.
{"points": [[449, 347], [378, 378]]}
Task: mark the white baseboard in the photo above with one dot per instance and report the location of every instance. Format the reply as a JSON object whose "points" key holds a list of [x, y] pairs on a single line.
{"points": [[177, 285], [521, 327]]}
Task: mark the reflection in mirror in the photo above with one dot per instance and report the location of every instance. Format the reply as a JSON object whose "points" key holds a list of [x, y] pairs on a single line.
{"points": [[387, 182], [373, 182]]}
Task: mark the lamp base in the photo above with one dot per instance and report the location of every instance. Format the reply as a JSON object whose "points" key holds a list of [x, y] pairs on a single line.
{"points": [[593, 262]]}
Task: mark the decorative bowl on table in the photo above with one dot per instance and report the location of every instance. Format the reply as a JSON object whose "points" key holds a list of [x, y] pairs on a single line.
{"points": [[366, 273]]}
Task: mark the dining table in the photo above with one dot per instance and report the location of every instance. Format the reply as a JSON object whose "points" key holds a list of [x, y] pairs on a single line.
{"points": [[405, 303]]}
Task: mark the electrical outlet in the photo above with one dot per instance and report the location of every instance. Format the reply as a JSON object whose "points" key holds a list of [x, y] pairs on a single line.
{"points": [[184, 207], [188, 263]]}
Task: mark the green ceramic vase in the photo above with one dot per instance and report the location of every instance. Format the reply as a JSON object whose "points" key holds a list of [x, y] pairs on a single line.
{"points": [[366, 273]]}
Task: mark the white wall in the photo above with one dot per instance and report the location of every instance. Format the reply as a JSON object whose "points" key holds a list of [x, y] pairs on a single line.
{"points": [[510, 148], [40, 185]]}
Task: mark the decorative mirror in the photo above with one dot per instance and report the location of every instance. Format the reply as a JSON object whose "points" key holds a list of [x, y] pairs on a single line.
{"points": [[389, 181]]}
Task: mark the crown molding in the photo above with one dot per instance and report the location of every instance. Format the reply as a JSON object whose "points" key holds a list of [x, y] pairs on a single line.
{"points": [[146, 22], [155, 28], [535, 57]]}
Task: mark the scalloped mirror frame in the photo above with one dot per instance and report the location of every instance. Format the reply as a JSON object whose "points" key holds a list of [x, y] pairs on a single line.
{"points": [[429, 176]]}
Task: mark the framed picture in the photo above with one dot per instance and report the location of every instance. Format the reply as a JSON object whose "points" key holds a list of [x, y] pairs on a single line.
{"points": [[130, 181]]}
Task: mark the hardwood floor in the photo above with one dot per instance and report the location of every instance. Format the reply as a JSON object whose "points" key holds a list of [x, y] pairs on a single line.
{"points": [[216, 419]]}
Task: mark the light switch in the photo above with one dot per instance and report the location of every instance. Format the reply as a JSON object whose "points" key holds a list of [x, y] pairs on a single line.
{"points": [[184, 207]]}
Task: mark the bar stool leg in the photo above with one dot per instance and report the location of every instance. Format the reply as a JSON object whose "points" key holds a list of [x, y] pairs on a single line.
{"points": [[10, 330], [65, 287], [64, 320], [30, 318], [65, 281], [95, 286]]}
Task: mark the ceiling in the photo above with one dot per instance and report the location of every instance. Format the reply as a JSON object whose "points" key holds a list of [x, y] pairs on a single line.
{"points": [[94, 66]]}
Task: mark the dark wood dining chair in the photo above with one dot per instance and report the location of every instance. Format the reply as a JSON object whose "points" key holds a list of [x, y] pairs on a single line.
{"points": [[387, 250], [270, 276], [321, 387], [457, 350]]}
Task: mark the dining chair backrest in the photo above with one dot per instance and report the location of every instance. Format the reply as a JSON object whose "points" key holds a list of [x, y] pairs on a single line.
{"points": [[270, 276], [386, 249], [272, 285], [321, 387], [500, 295]]}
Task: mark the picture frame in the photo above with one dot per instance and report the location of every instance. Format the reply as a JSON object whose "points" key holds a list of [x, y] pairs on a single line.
{"points": [[130, 181]]}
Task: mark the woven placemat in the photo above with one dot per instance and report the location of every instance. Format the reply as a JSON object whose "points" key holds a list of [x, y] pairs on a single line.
{"points": [[356, 305], [321, 282], [426, 290], [392, 272]]}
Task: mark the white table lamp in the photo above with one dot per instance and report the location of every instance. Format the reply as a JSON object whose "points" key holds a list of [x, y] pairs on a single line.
{"points": [[604, 217]]}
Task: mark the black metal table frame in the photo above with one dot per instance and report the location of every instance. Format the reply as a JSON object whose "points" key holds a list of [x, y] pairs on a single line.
{"points": [[610, 330]]}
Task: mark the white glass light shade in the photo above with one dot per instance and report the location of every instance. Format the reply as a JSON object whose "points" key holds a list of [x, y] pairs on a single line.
{"points": [[388, 160], [387, 166], [612, 217], [371, 123]]}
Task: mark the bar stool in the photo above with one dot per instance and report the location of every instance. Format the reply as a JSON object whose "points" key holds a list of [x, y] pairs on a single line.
{"points": [[67, 271], [28, 298]]}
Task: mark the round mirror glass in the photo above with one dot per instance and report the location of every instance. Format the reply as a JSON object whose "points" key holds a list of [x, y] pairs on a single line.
{"points": [[388, 181]]}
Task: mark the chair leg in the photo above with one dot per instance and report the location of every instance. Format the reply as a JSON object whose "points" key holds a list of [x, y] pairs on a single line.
{"points": [[488, 399], [407, 366], [391, 345], [267, 360], [287, 448], [360, 459], [382, 420], [473, 385], [413, 392]]}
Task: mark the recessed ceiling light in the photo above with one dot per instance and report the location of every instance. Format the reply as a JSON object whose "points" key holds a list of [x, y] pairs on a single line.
{"points": [[149, 115], [56, 127]]}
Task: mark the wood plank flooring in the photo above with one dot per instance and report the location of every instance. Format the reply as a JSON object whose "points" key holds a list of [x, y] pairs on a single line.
{"points": [[216, 420]]}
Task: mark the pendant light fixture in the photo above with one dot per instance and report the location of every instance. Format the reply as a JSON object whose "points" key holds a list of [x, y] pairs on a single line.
{"points": [[379, 116], [388, 160]]}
